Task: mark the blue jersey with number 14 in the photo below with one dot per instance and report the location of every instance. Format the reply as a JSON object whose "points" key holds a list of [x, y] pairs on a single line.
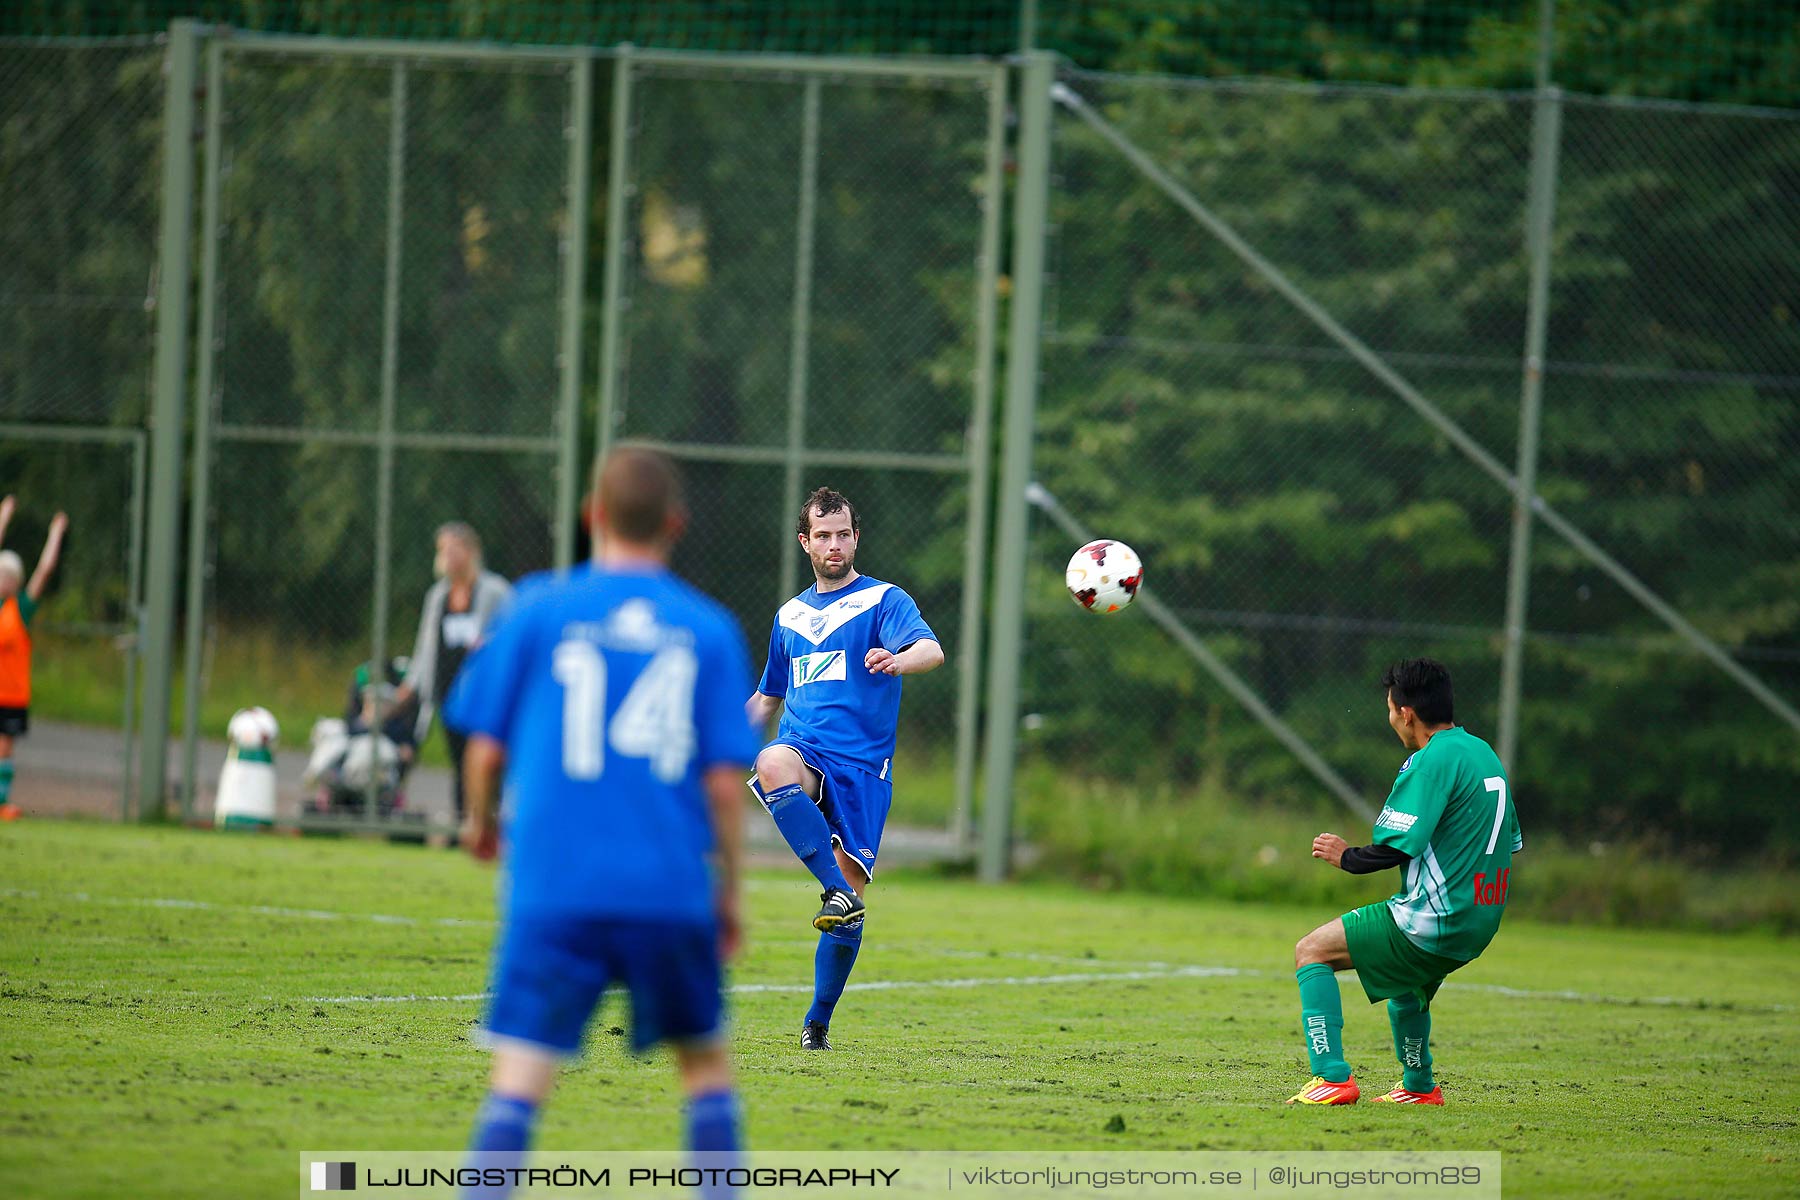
{"points": [[816, 651], [613, 692]]}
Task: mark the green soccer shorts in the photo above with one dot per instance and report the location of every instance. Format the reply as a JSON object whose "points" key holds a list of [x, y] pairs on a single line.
{"points": [[1387, 962]]}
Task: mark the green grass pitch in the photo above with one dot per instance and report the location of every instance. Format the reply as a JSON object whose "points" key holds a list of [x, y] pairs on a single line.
{"points": [[165, 1001]]}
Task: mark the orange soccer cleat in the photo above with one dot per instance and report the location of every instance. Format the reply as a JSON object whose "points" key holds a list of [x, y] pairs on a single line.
{"points": [[1323, 1091], [1401, 1096]]}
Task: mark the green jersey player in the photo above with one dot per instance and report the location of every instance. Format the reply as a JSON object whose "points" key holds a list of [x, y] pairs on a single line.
{"points": [[1450, 823]]}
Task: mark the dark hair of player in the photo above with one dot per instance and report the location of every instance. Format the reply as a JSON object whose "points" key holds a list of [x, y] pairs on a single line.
{"points": [[639, 490], [1423, 685], [826, 502]]}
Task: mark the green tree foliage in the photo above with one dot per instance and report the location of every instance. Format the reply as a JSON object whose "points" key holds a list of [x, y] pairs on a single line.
{"points": [[1304, 518]]}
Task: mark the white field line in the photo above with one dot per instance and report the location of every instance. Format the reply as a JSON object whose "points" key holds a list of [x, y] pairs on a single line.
{"points": [[878, 985], [264, 910], [1152, 970]]}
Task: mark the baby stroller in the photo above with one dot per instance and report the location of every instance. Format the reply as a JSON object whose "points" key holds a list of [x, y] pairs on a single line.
{"points": [[352, 756]]}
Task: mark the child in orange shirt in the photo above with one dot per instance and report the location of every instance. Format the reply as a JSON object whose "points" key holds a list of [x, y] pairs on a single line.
{"points": [[16, 610]]}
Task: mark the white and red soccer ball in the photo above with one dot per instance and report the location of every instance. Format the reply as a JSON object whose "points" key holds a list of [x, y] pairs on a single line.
{"points": [[1104, 576]]}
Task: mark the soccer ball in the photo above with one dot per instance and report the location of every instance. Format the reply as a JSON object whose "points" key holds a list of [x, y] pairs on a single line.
{"points": [[1104, 576], [253, 728]]}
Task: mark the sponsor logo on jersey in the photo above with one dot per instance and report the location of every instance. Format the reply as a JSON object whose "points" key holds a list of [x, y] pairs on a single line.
{"points": [[1399, 821], [816, 668], [1491, 890]]}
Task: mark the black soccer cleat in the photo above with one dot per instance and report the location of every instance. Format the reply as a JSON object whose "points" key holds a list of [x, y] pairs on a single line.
{"points": [[837, 907], [812, 1037]]}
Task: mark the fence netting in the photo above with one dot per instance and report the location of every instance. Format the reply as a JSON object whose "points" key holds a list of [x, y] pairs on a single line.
{"points": [[804, 255], [1671, 434], [1312, 528], [384, 362], [80, 171]]}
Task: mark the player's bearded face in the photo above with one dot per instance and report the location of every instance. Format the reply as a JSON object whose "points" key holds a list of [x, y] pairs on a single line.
{"points": [[832, 546]]}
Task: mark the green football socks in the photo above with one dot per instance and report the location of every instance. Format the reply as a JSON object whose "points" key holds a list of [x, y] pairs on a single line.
{"points": [[6, 774], [1322, 1020], [1412, 1041]]}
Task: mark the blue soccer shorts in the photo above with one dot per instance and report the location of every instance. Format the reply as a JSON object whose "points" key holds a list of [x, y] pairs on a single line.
{"points": [[551, 972], [855, 802]]}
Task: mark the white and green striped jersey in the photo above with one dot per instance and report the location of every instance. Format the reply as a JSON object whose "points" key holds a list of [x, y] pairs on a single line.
{"points": [[1452, 812]]}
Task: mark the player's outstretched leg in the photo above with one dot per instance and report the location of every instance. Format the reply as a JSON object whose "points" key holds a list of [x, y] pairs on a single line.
{"points": [[832, 963], [798, 819], [1317, 959], [1410, 1016]]}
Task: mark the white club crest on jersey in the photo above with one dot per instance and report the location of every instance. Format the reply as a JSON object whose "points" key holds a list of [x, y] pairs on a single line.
{"points": [[633, 625], [817, 624]]}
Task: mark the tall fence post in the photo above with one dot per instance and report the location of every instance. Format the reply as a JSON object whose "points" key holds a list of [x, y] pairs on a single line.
{"points": [[1007, 623], [980, 450], [390, 382], [1546, 142], [612, 294], [800, 333], [574, 251], [173, 277], [200, 497]]}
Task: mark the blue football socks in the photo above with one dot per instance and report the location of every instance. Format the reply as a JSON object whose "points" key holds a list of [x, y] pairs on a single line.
{"points": [[803, 826], [832, 962], [712, 1131], [502, 1135]]}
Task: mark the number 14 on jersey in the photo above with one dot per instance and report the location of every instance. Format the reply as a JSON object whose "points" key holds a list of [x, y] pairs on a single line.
{"points": [[653, 722]]}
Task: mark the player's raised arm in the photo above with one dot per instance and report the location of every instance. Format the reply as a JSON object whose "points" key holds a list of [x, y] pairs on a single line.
{"points": [[40, 578], [1357, 860], [906, 644], [922, 656], [8, 506]]}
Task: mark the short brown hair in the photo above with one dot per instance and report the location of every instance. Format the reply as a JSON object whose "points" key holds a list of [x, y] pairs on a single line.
{"points": [[639, 490], [827, 502]]}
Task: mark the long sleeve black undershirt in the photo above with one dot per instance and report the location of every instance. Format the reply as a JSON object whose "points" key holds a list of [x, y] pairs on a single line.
{"points": [[1362, 860]]}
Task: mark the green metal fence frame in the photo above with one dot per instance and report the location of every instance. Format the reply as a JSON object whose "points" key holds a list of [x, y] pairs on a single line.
{"points": [[560, 444], [795, 456]]}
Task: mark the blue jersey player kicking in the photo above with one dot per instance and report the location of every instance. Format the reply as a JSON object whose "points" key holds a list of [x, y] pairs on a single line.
{"points": [[611, 699], [836, 653]]}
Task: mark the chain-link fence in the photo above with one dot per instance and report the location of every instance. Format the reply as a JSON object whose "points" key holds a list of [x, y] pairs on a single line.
{"points": [[80, 129], [1284, 354], [1208, 403], [385, 306], [1671, 435], [805, 263]]}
